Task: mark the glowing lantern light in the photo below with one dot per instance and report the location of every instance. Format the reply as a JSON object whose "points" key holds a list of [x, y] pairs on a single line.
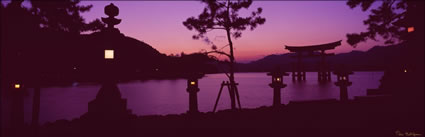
{"points": [[17, 86], [192, 83], [405, 70], [109, 54], [410, 29]]}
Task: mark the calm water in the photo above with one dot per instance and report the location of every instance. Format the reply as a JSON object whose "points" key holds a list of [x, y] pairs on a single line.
{"points": [[170, 96]]}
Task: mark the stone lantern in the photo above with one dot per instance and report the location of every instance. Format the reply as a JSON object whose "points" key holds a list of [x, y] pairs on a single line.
{"points": [[193, 89], [108, 104], [277, 84], [343, 82]]}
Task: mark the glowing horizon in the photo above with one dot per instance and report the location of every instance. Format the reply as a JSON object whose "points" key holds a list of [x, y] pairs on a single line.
{"points": [[159, 24]]}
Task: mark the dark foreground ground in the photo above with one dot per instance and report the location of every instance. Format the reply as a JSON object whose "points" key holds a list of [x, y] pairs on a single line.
{"points": [[382, 116]]}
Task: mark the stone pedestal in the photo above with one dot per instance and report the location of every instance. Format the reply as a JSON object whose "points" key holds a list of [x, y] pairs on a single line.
{"points": [[193, 100], [276, 93], [108, 104]]}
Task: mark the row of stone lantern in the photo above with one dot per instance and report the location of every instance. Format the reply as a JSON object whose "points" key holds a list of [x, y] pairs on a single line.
{"points": [[277, 84]]}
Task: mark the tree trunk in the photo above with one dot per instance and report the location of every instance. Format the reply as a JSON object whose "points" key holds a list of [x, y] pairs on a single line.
{"points": [[232, 60], [232, 72]]}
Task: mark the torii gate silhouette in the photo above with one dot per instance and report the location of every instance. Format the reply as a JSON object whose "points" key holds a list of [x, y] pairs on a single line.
{"points": [[324, 73]]}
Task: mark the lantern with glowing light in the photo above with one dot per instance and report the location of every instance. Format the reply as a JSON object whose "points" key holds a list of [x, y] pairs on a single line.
{"points": [[277, 84], [410, 29], [17, 86], [193, 89], [343, 81]]}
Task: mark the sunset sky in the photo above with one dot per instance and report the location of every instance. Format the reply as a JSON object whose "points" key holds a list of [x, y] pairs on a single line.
{"points": [[159, 23]]}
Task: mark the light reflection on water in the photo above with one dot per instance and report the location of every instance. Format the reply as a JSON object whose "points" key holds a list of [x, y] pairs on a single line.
{"points": [[170, 96]]}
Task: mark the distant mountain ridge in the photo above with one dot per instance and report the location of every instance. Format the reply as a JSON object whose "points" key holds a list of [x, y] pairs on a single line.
{"points": [[376, 58]]}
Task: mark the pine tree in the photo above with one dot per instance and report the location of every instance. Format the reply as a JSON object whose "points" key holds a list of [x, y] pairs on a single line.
{"points": [[223, 15]]}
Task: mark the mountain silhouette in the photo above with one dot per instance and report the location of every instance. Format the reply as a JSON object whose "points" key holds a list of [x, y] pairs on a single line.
{"points": [[65, 56], [376, 58], [130, 55]]}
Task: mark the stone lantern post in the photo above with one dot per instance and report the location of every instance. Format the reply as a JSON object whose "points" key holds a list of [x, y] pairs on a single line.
{"points": [[193, 89], [277, 84], [108, 104], [343, 82]]}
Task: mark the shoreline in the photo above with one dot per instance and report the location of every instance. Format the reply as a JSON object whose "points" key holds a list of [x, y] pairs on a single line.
{"points": [[369, 116]]}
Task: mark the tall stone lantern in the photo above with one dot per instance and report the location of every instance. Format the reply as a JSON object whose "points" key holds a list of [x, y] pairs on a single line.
{"points": [[277, 84], [108, 104]]}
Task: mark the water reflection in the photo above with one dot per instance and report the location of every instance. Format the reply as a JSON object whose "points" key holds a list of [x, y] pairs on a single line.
{"points": [[170, 97]]}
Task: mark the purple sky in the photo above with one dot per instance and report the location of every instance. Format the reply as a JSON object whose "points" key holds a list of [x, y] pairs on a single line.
{"points": [[159, 23]]}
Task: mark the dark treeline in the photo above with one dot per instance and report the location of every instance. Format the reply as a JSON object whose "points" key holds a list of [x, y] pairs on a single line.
{"points": [[35, 41]]}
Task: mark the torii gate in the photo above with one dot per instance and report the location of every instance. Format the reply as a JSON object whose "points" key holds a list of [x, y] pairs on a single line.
{"points": [[324, 73]]}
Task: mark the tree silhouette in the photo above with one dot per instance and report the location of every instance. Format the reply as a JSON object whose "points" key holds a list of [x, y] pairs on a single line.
{"points": [[64, 16], [392, 20], [27, 33], [388, 20], [223, 15]]}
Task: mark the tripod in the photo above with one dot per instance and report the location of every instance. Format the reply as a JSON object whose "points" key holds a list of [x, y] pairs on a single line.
{"points": [[232, 95]]}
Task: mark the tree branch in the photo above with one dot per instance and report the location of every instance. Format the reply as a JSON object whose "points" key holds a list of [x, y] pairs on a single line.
{"points": [[219, 21], [218, 28], [218, 52], [213, 28]]}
